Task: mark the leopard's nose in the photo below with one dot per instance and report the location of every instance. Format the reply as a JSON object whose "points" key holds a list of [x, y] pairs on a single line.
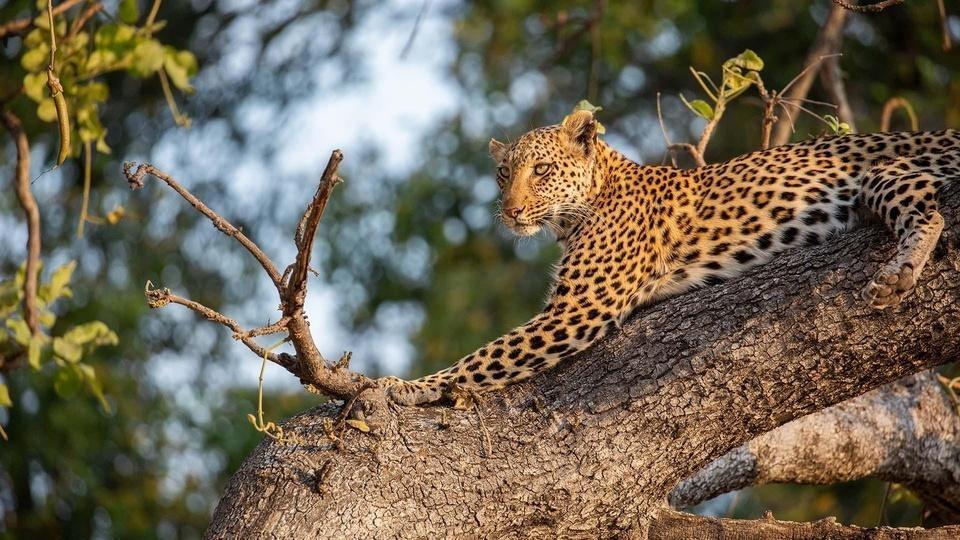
{"points": [[513, 212]]}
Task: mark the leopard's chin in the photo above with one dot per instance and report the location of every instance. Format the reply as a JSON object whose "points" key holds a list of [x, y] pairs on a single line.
{"points": [[523, 229]]}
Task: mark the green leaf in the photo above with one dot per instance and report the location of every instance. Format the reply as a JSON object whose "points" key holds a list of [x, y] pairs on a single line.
{"points": [[584, 105], [34, 349], [10, 296], [5, 400], [67, 382], [89, 376], [147, 58], [180, 66], [129, 11], [67, 350], [747, 60], [57, 287], [36, 59], [47, 111], [92, 334], [35, 85], [699, 107], [20, 330]]}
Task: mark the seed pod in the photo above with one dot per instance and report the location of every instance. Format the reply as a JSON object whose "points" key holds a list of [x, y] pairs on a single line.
{"points": [[63, 115]]}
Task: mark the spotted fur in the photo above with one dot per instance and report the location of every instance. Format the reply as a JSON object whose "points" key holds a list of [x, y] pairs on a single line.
{"points": [[633, 234]]}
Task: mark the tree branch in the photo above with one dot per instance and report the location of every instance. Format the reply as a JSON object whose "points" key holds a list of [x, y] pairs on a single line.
{"points": [[671, 525], [19, 25], [308, 365], [906, 432], [135, 179], [593, 447], [29, 205], [869, 8], [827, 43]]}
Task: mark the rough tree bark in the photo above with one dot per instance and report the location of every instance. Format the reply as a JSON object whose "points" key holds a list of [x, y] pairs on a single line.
{"points": [[593, 448], [906, 432]]}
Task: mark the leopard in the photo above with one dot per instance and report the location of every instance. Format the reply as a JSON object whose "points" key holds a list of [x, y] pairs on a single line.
{"points": [[633, 234]]}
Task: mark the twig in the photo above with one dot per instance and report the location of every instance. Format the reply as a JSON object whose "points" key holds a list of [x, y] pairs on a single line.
{"points": [[19, 25], [882, 517], [135, 179], [294, 292], [416, 28], [947, 43], [593, 79], [29, 205], [487, 448], [82, 19], [308, 364], [690, 149], [87, 170], [826, 44], [893, 104], [663, 129], [832, 78], [348, 406], [274, 328], [158, 298], [869, 8], [152, 16]]}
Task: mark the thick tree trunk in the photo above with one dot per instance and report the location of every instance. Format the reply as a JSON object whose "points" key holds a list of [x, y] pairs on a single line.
{"points": [[593, 448]]}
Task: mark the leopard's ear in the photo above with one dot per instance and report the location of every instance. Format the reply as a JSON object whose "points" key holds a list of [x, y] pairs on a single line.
{"points": [[498, 151], [580, 128]]}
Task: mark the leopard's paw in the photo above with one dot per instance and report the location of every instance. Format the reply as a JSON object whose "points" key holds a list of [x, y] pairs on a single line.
{"points": [[890, 286], [404, 392]]}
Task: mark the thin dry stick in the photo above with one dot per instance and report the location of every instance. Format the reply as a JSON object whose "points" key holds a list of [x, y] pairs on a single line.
{"points": [[135, 179], [416, 28], [19, 25], [832, 78], [87, 169], [82, 19], [308, 365], [152, 16], [158, 298], [947, 43], [826, 44], [869, 8], [663, 129], [295, 290], [893, 104], [32, 211]]}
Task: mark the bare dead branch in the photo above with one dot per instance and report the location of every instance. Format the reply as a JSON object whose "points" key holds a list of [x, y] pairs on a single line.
{"points": [[672, 525], [832, 77], [308, 364], [19, 25], [827, 43], [416, 28], [690, 149], [947, 42], [135, 179], [868, 8], [893, 104], [294, 292], [158, 298], [29, 204], [83, 18]]}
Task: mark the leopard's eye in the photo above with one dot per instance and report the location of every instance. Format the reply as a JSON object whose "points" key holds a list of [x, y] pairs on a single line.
{"points": [[503, 174], [542, 168]]}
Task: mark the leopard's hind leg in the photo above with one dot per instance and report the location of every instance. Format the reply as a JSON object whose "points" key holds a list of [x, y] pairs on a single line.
{"points": [[903, 193]]}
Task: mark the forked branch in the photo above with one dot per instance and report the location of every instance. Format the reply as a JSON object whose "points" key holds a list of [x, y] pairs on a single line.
{"points": [[308, 364]]}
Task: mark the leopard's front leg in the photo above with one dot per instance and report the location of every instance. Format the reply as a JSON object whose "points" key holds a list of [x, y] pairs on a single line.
{"points": [[564, 328]]}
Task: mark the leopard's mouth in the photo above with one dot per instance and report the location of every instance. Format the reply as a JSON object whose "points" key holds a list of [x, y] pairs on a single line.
{"points": [[522, 227]]}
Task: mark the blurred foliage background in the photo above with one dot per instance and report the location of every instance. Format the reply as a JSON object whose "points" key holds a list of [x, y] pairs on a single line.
{"points": [[414, 269]]}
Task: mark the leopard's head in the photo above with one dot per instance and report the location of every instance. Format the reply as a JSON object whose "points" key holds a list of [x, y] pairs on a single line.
{"points": [[547, 174]]}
